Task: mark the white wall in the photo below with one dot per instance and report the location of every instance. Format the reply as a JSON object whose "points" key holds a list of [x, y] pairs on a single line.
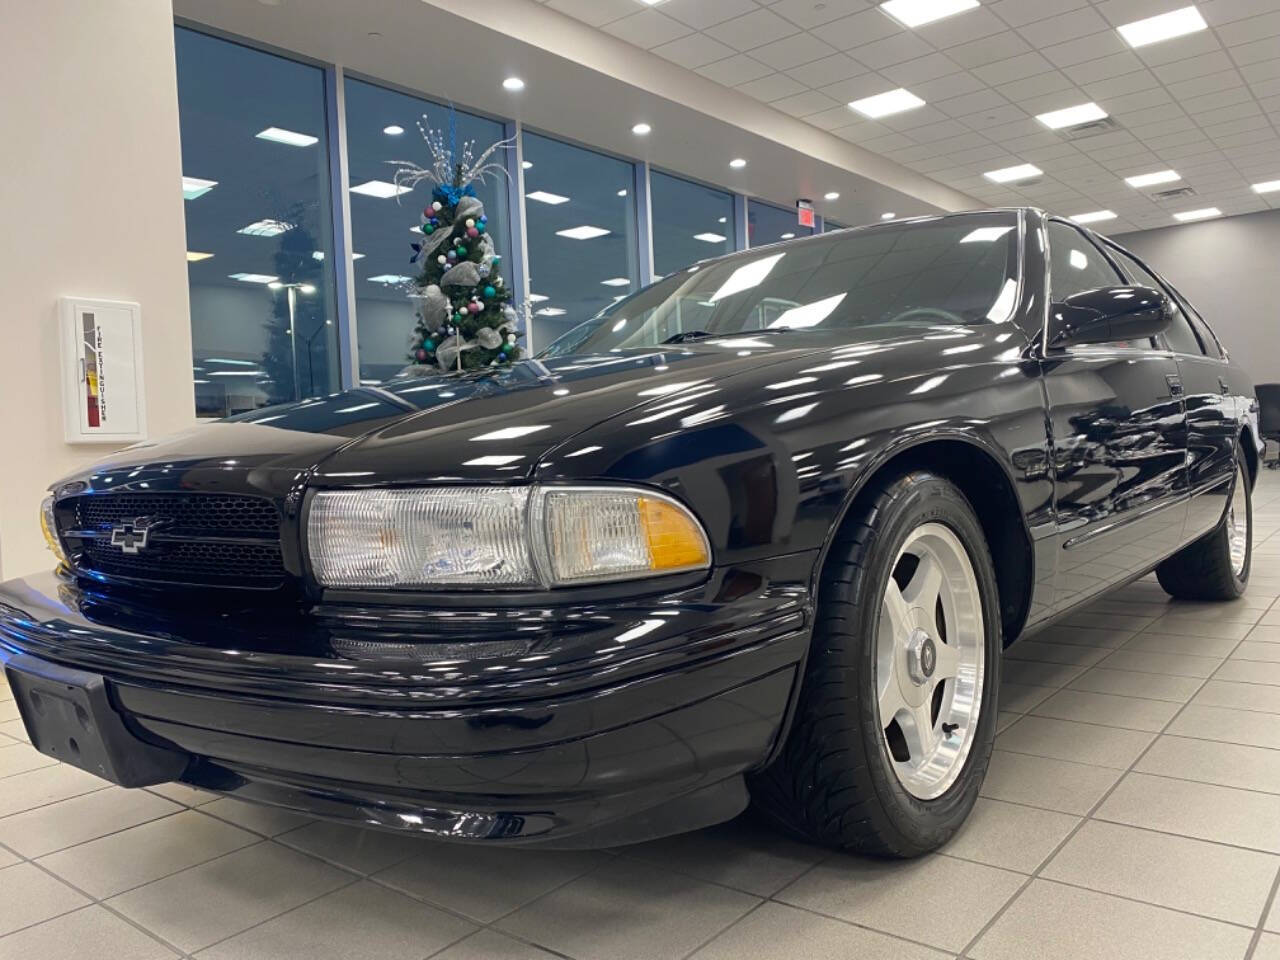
{"points": [[1230, 270], [91, 206]]}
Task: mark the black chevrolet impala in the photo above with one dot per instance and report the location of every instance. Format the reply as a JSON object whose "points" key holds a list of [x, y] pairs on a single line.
{"points": [[755, 534]]}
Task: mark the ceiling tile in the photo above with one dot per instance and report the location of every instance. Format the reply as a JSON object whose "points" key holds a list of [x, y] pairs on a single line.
{"points": [[1179, 48], [1015, 68], [1117, 12], [855, 88], [950, 31], [1218, 12], [994, 117], [971, 103], [912, 120], [1254, 28], [792, 51], [837, 116], [1256, 52], [752, 30], [701, 14], [1037, 140], [594, 12], [695, 50], [1016, 13], [849, 32], [1118, 86], [999, 46], [920, 70], [1039, 85], [1142, 100], [1255, 72], [1085, 49], [1104, 67], [770, 88], [1210, 83], [889, 141], [647, 29], [808, 13], [1193, 67], [890, 50], [803, 104], [939, 130], [819, 73], [953, 86], [1065, 26], [735, 70]]}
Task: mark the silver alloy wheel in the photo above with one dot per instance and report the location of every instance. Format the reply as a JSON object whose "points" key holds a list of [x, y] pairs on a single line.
{"points": [[1238, 523], [930, 658]]}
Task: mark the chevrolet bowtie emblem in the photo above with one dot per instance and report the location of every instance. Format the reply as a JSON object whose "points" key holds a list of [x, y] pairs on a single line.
{"points": [[132, 536]]}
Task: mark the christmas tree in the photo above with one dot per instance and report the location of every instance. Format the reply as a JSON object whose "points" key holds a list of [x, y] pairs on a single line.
{"points": [[464, 318]]}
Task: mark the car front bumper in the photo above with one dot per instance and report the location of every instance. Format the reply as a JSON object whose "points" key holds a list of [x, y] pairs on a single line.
{"points": [[591, 725]]}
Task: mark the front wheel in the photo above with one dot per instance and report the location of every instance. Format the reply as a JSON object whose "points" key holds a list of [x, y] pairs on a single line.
{"points": [[897, 710], [1216, 567]]}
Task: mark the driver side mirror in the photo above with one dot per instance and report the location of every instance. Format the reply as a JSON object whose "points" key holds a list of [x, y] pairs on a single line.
{"points": [[1107, 314]]}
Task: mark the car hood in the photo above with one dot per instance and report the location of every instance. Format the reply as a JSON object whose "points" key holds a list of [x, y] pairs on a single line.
{"points": [[493, 425]]}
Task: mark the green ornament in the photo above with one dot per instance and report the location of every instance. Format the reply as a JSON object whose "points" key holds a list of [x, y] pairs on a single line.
{"points": [[497, 257], [460, 315], [490, 292], [428, 228], [462, 250]]}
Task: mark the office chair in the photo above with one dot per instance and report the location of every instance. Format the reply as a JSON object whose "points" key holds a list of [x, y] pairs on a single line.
{"points": [[1269, 418]]}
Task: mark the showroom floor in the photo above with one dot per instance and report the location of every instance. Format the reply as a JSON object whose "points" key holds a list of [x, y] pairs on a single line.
{"points": [[1132, 810]]}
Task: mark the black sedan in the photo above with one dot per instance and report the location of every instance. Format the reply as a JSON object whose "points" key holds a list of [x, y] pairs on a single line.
{"points": [[755, 534]]}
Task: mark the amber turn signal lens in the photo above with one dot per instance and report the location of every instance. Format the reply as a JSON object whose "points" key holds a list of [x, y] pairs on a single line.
{"points": [[49, 527], [676, 542]]}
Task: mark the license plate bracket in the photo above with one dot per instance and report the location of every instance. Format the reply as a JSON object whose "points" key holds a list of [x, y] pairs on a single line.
{"points": [[69, 716]]}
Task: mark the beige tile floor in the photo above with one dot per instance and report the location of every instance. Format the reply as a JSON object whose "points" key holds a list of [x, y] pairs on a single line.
{"points": [[1132, 811]]}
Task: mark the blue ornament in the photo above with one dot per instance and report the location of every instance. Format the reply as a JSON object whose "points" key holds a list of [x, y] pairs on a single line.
{"points": [[428, 345], [490, 292]]}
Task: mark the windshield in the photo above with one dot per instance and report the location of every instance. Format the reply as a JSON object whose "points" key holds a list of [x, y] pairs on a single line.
{"points": [[959, 270]]}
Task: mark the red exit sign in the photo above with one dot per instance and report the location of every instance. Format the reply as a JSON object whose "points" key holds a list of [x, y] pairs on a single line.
{"points": [[804, 213]]}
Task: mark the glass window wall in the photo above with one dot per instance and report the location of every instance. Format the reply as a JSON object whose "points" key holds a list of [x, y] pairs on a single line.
{"points": [[690, 222], [769, 224], [255, 178], [581, 229]]}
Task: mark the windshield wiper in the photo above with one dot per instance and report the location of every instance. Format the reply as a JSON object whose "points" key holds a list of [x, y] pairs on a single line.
{"points": [[686, 336]]}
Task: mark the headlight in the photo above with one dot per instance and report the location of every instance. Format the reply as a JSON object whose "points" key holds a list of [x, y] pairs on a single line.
{"points": [[49, 527], [499, 537]]}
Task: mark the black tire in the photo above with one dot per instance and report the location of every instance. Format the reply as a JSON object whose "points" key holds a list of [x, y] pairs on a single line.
{"points": [[832, 782], [1203, 570]]}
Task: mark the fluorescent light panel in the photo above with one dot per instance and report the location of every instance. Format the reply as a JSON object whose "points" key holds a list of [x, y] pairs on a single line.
{"points": [[265, 228], [290, 137], [550, 312], [913, 13], [389, 278], [193, 187], [194, 256], [380, 189], [709, 237], [1151, 179], [1204, 213], [1270, 186], [319, 255], [1072, 116], [1023, 171], [1166, 26], [1094, 217], [616, 282], [885, 104], [252, 278], [544, 196], [584, 232]]}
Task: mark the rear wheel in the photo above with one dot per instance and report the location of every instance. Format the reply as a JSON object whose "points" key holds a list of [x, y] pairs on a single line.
{"points": [[1216, 567], [893, 729]]}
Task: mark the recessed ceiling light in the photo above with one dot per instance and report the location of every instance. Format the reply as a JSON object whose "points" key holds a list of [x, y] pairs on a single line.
{"points": [[513, 83], [389, 278], [1270, 186], [275, 284], [1072, 116], [723, 220], [194, 256], [1094, 217], [393, 129], [537, 297], [888, 216], [1151, 179], [737, 163], [640, 129], [709, 237], [1023, 171], [787, 236], [543, 196], [622, 193], [616, 282], [550, 312], [884, 104], [319, 254], [290, 137], [913, 13], [1203, 213], [651, 3], [584, 232], [831, 195], [1166, 26], [380, 189], [253, 278], [265, 228], [526, 165], [193, 187]]}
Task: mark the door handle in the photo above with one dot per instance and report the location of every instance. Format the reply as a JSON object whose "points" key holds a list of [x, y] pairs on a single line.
{"points": [[1223, 385], [1175, 384]]}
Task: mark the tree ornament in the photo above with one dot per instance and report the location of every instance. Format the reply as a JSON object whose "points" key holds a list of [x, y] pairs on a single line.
{"points": [[442, 259], [473, 307], [490, 292], [462, 250], [437, 206], [428, 229], [421, 355], [471, 221], [511, 338], [472, 232], [479, 228], [489, 338]]}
